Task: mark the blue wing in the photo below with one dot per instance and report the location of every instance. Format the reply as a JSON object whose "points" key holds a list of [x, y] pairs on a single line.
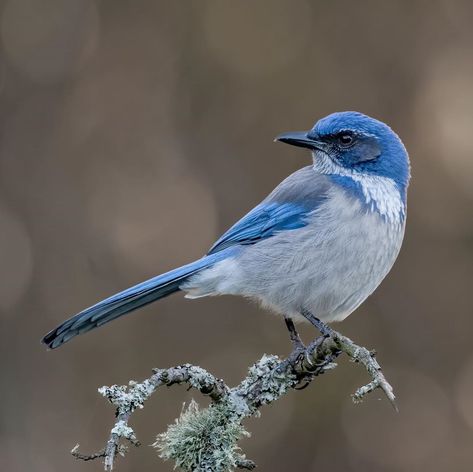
{"points": [[286, 208], [262, 222]]}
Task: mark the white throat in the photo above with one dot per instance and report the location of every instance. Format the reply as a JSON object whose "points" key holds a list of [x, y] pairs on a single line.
{"points": [[381, 194]]}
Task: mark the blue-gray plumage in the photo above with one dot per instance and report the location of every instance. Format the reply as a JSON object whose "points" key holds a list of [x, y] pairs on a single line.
{"points": [[321, 242]]}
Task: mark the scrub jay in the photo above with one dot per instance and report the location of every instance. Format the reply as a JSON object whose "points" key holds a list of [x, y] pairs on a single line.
{"points": [[315, 248]]}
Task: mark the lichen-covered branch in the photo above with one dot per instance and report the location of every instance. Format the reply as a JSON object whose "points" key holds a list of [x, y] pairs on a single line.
{"points": [[207, 439]]}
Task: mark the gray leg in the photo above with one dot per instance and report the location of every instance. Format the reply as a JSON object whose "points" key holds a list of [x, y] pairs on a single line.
{"points": [[322, 327], [294, 335]]}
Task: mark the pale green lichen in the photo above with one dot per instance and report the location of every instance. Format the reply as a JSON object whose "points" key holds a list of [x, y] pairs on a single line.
{"points": [[128, 398], [271, 382], [203, 440], [122, 430], [199, 377]]}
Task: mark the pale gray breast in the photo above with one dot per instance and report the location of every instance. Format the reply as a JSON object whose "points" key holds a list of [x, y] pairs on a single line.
{"points": [[328, 267]]}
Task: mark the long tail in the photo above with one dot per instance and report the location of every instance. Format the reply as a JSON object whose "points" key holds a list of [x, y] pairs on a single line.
{"points": [[127, 301]]}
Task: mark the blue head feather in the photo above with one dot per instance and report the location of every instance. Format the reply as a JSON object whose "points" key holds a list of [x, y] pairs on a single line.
{"points": [[374, 149]]}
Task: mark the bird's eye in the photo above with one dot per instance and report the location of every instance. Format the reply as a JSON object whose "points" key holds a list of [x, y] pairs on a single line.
{"points": [[346, 140]]}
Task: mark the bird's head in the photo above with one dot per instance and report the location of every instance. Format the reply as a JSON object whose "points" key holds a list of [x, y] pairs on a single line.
{"points": [[352, 143]]}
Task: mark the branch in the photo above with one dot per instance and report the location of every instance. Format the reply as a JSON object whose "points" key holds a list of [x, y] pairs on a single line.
{"points": [[206, 439]]}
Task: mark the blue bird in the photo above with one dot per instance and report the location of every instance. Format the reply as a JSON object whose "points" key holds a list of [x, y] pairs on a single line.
{"points": [[317, 246]]}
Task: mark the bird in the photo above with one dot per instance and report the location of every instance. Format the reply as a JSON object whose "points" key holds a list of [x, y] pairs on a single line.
{"points": [[314, 249]]}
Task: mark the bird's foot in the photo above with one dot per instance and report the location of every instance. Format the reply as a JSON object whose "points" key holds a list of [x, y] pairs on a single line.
{"points": [[325, 330]]}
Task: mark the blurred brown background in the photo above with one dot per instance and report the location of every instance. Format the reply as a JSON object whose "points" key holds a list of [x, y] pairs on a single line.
{"points": [[134, 132]]}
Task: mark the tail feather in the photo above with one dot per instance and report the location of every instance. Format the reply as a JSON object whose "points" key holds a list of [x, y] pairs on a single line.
{"points": [[127, 301]]}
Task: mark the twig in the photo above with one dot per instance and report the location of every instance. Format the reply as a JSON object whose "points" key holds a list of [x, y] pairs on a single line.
{"points": [[367, 359], [207, 439]]}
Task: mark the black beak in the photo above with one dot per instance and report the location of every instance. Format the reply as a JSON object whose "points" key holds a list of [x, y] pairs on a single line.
{"points": [[301, 139]]}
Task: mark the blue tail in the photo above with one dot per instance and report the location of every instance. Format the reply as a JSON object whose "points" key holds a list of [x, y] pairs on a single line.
{"points": [[127, 301]]}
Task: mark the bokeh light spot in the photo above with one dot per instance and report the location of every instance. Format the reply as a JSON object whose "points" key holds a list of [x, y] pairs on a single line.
{"points": [[464, 393], [49, 40], [446, 114], [151, 217], [404, 441], [16, 259], [266, 44]]}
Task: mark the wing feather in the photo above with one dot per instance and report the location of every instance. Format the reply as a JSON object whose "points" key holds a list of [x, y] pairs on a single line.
{"points": [[286, 208], [262, 222]]}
